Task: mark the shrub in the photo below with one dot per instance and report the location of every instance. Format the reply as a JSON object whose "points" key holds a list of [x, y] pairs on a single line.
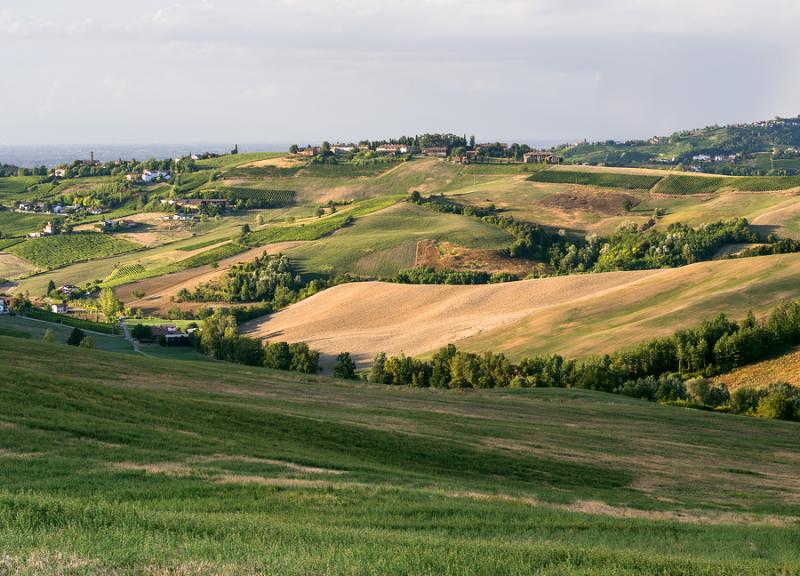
{"points": [[142, 332], [703, 391], [76, 337], [344, 367], [781, 402]]}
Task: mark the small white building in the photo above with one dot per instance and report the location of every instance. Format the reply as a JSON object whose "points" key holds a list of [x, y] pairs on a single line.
{"points": [[5, 305], [60, 308], [153, 175], [392, 149]]}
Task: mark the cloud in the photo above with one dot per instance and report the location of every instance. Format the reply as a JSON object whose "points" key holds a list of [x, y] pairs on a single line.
{"points": [[305, 69]]}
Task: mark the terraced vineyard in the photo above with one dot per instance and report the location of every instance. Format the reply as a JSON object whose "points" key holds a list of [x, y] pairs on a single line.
{"points": [[15, 224], [264, 197], [347, 170], [56, 251], [130, 270], [603, 179], [680, 185], [14, 188]]}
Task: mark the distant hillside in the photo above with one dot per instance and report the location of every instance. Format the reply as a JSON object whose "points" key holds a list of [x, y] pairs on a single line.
{"points": [[770, 147]]}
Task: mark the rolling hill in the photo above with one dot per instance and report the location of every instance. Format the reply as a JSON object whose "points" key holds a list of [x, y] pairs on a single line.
{"points": [[208, 468], [575, 316]]}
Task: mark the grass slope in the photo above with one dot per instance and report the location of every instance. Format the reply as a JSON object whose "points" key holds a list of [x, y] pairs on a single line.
{"points": [[785, 368], [121, 464], [385, 242], [35, 329]]}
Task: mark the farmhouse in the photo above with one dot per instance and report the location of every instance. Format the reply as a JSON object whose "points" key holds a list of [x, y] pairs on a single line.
{"points": [[202, 203], [60, 172], [540, 157], [60, 308], [48, 229], [153, 175], [170, 335], [309, 151], [342, 148], [5, 305], [31, 207], [392, 149], [437, 151], [67, 289]]}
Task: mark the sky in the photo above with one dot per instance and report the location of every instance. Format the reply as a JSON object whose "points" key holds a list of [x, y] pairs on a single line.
{"points": [[283, 71]]}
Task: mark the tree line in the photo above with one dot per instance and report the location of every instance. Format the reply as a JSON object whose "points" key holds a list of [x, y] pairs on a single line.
{"points": [[630, 247], [671, 369]]}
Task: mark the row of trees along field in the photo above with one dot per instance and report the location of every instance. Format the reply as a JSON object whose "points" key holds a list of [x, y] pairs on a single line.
{"points": [[220, 339], [630, 247], [671, 369]]}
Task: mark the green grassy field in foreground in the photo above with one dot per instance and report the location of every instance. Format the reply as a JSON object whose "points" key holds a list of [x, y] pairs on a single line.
{"points": [[126, 465]]}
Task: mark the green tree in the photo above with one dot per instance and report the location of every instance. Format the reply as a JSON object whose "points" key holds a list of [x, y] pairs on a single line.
{"points": [[49, 336], [109, 304], [377, 373], [51, 286], [75, 337], [278, 356], [86, 342], [142, 332], [781, 402], [303, 359], [344, 367]]}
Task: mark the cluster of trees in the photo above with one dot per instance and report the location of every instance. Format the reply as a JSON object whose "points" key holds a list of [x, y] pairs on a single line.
{"points": [[426, 275], [109, 195], [666, 369], [774, 246], [12, 170], [270, 279], [778, 401], [85, 168], [630, 247], [220, 339]]}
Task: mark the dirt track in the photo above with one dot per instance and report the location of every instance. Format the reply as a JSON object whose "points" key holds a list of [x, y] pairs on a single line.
{"points": [[370, 317]]}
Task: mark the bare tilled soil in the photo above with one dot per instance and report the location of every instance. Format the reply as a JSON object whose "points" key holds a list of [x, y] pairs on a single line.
{"points": [[369, 317]]}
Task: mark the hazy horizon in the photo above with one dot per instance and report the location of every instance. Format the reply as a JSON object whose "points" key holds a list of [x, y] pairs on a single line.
{"points": [[287, 71]]}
